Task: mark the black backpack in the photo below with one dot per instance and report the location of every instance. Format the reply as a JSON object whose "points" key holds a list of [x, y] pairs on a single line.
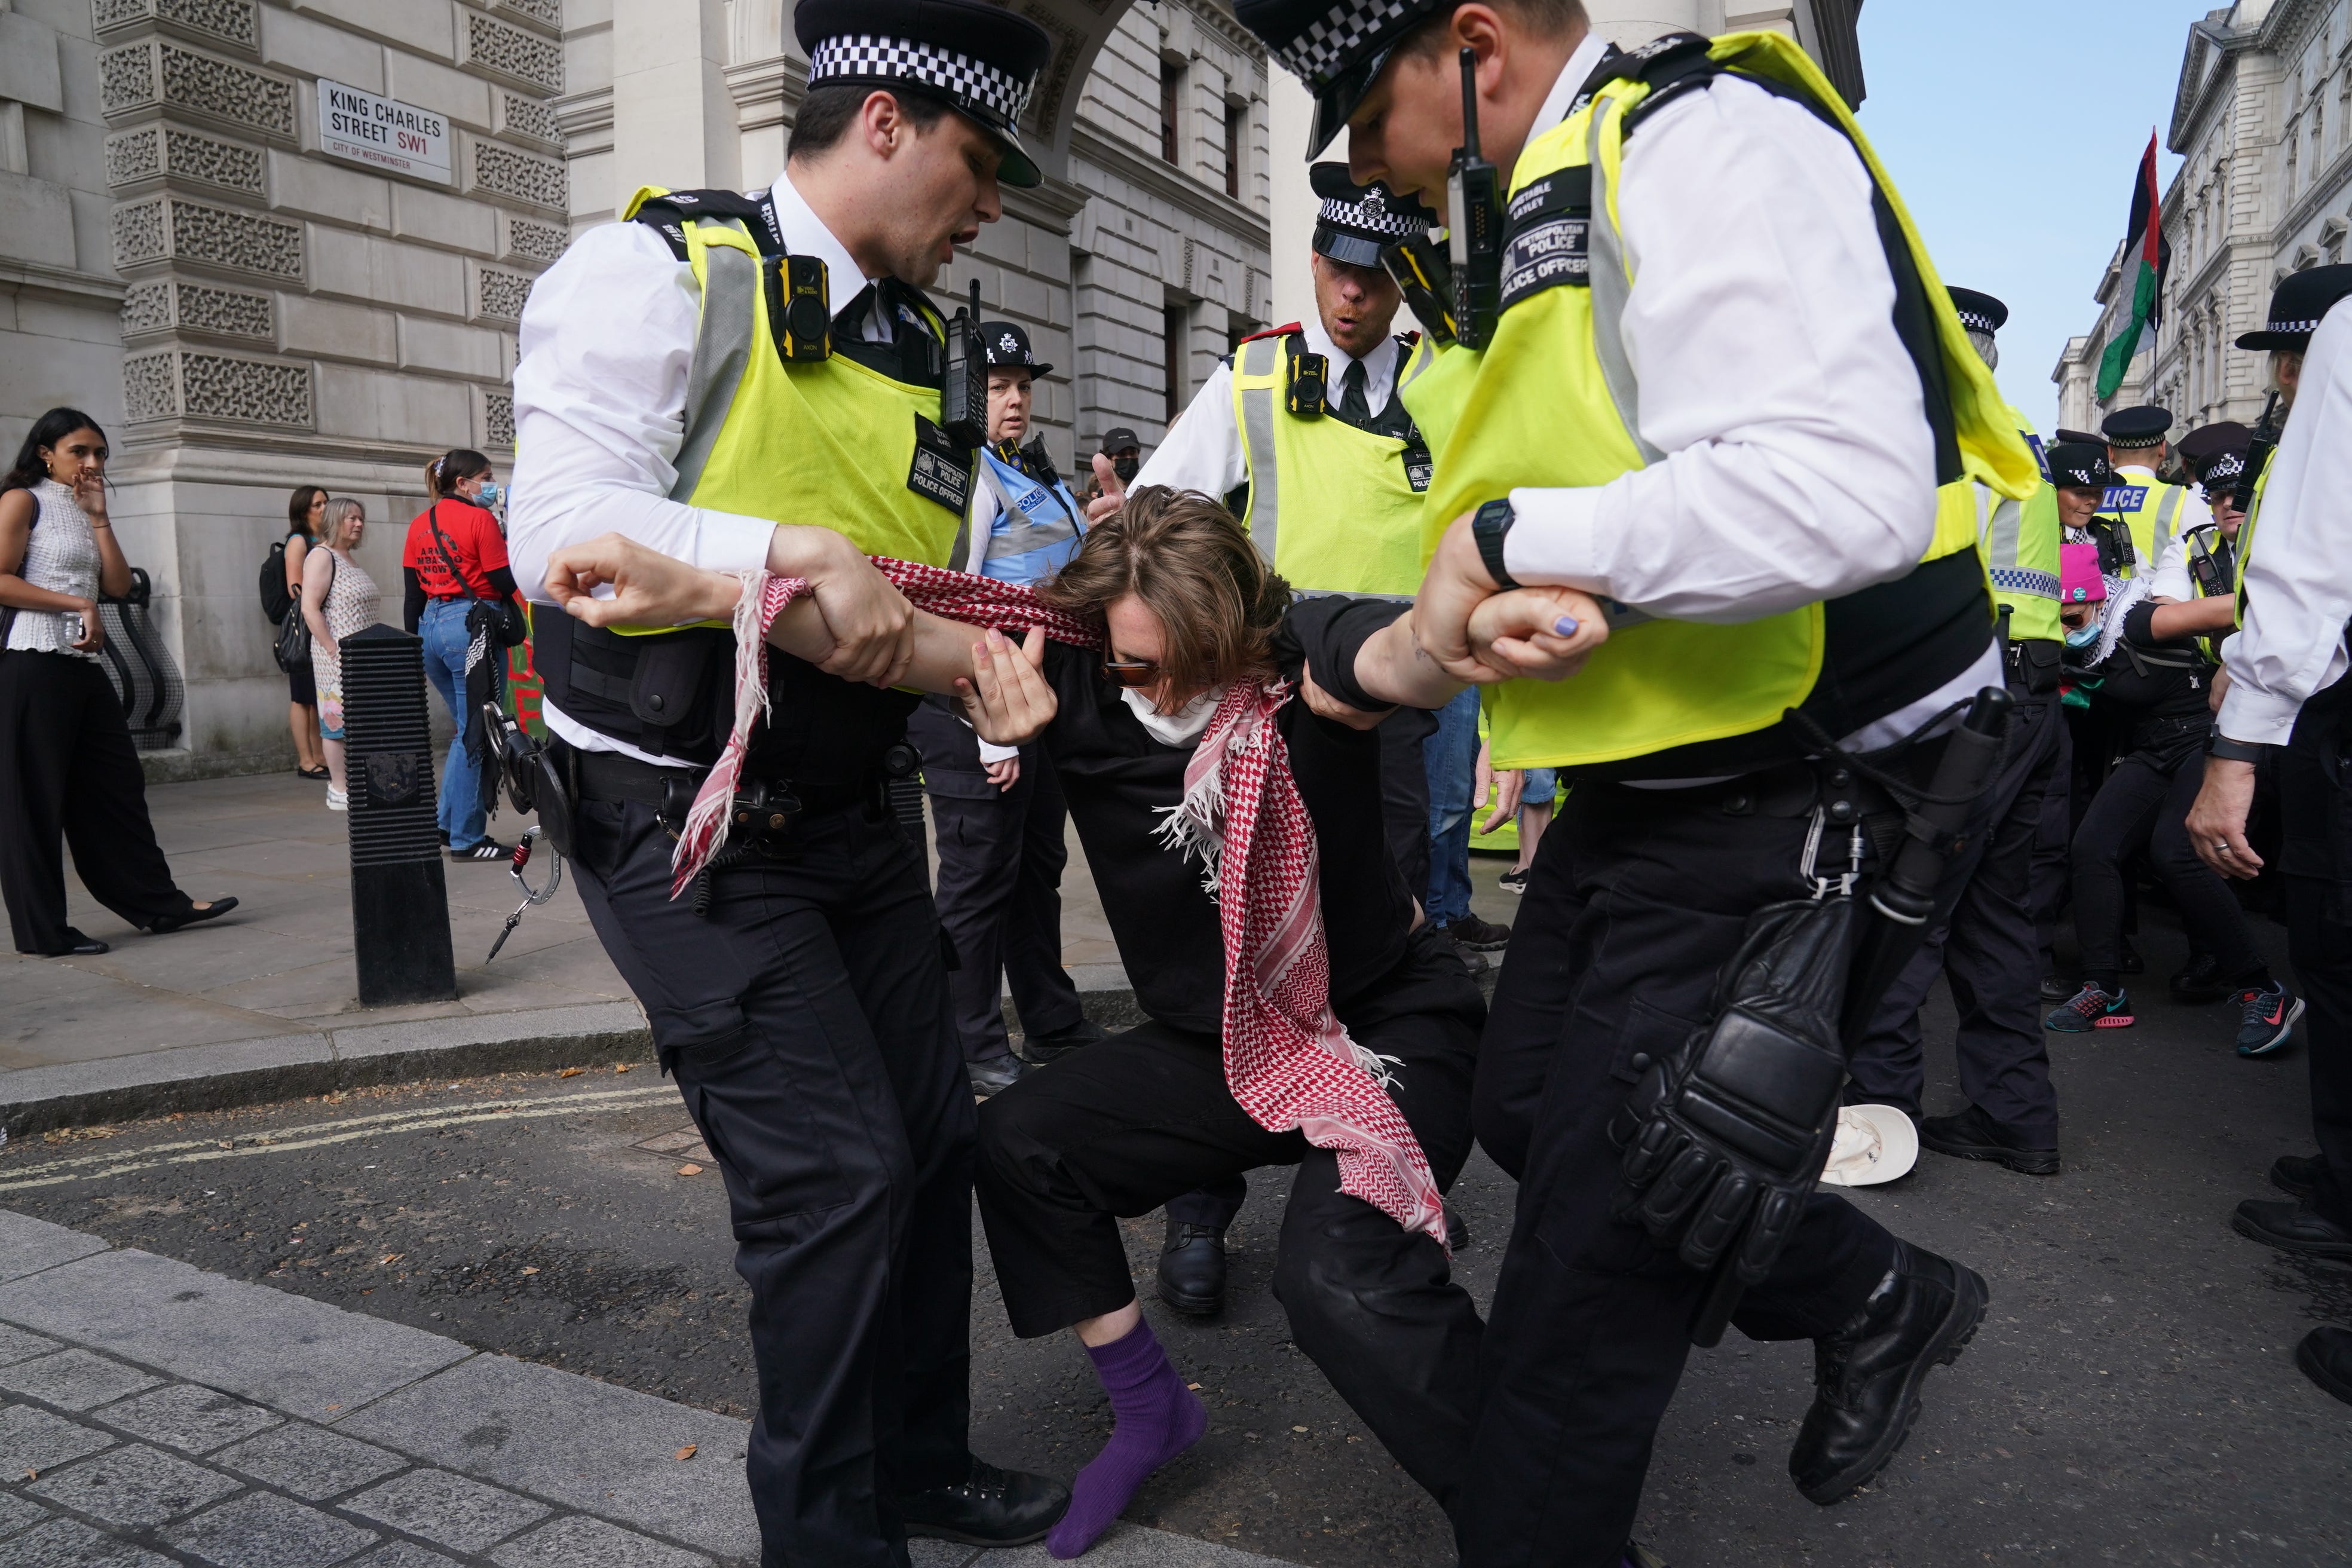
{"points": [[275, 600]]}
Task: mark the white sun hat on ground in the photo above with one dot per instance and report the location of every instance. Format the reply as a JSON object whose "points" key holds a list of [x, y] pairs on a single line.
{"points": [[1875, 1143]]}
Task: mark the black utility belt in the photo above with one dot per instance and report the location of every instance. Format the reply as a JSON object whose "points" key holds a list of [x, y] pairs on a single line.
{"points": [[670, 791], [2032, 663]]}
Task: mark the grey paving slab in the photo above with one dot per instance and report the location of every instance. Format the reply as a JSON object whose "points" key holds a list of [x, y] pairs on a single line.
{"points": [[27, 1244], [603, 1448], [579, 1541], [36, 1440], [448, 1510], [17, 1345], [193, 1419], [404, 1554], [18, 1513], [74, 1379], [69, 1543], [311, 1462], [133, 1484], [303, 1357], [1134, 1546], [929, 1553], [263, 1531]]}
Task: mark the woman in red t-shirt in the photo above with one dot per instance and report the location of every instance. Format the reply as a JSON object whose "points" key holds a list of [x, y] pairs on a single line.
{"points": [[456, 554]]}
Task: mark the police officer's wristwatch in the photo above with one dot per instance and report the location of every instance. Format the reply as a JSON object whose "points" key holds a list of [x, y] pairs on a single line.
{"points": [[2217, 745], [1490, 525]]}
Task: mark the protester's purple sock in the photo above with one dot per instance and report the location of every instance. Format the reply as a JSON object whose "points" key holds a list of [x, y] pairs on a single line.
{"points": [[1157, 1418]]}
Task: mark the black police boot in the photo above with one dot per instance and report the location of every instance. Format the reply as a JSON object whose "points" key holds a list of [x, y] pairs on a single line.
{"points": [[2293, 1227], [2297, 1175], [990, 1507], [996, 1074], [1043, 1049], [1192, 1269], [2325, 1357], [1457, 1229], [1866, 1376], [2054, 989], [1973, 1135]]}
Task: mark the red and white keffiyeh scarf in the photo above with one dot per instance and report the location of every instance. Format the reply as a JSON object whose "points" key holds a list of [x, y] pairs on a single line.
{"points": [[1288, 1060]]}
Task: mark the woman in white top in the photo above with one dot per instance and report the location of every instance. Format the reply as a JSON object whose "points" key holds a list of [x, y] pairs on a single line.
{"points": [[69, 774], [338, 598]]}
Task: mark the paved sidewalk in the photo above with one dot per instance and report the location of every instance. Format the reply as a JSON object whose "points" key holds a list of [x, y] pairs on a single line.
{"points": [[151, 1413]]}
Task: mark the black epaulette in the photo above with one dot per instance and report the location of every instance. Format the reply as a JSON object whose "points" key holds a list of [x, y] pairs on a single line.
{"points": [[667, 216]]}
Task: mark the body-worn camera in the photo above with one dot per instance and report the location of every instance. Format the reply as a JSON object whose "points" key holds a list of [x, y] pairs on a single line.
{"points": [[800, 307], [1309, 388]]}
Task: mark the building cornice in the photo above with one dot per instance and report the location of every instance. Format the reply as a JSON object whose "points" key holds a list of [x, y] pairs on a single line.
{"points": [[1212, 207], [18, 277]]}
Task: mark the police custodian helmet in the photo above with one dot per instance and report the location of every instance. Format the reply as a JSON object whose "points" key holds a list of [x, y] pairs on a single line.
{"points": [[983, 60], [1356, 222], [2298, 304], [2079, 465]]}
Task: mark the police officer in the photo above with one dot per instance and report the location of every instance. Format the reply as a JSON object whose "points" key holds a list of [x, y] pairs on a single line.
{"points": [[999, 809], [1302, 429], [1987, 949], [799, 994], [2289, 688], [2158, 513], [1742, 442]]}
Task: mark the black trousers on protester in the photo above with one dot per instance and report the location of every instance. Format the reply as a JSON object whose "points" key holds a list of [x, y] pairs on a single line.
{"points": [[69, 778], [2145, 803], [807, 1020], [1636, 899], [1987, 949], [1116, 1129], [2316, 859]]}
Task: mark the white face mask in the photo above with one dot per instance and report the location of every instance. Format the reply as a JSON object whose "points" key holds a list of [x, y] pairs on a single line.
{"points": [[1180, 727]]}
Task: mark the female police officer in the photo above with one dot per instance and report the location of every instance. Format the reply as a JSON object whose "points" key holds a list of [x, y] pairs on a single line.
{"points": [[801, 997]]}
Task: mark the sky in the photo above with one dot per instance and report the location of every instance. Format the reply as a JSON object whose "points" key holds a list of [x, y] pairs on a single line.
{"points": [[2012, 129]]}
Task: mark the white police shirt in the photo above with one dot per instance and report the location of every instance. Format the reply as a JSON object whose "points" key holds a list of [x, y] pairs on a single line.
{"points": [[1799, 461], [1202, 450], [2299, 582], [605, 342]]}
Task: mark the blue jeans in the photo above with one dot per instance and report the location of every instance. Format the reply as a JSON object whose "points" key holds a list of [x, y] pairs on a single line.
{"points": [[1452, 758], [443, 628]]}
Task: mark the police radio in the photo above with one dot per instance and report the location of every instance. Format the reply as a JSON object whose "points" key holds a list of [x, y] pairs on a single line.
{"points": [[800, 305], [1309, 386], [1423, 278], [2212, 564], [2258, 456], [1474, 211], [963, 400]]}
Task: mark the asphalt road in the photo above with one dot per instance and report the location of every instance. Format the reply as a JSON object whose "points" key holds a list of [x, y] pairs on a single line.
{"points": [[2131, 1398]]}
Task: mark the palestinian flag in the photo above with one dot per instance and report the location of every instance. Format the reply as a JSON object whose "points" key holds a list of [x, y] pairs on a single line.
{"points": [[2151, 255]]}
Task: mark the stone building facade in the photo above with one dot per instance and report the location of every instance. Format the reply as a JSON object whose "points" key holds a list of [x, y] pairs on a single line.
{"points": [[2263, 121]]}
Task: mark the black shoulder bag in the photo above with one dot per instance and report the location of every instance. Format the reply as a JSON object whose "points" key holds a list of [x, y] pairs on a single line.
{"points": [[502, 618], [291, 648]]}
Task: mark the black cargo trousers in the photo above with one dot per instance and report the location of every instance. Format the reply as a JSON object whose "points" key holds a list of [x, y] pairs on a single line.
{"points": [[807, 1020]]}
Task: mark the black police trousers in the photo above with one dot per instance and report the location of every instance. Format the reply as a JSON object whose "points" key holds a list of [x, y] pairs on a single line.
{"points": [[2144, 805], [806, 1021], [1636, 899], [1118, 1129], [2316, 863], [1989, 949]]}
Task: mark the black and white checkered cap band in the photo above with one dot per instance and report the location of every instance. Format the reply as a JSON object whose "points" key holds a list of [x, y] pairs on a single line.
{"points": [[1317, 54], [1365, 218], [2080, 476], [870, 56], [1977, 323], [2228, 466], [2292, 327]]}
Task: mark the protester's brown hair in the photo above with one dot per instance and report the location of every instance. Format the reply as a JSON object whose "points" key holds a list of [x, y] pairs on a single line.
{"points": [[1192, 562]]}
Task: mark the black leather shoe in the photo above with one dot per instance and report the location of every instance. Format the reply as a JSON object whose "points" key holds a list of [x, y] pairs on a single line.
{"points": [[1866, 1376], [992, 1508], [1973, 1135], [2325, 1357], [1457, 1229], [2296, 1176], [77, 946], [2056, 990], [1192, 1269], [1039, 1049], [2293, 1227], [2200, 982], [190, 916], [996, 1075]]}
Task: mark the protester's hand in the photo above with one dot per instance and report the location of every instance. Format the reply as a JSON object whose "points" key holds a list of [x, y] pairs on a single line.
{"points": [[1113, 489], [1006, 698], [1004, 772], [2217, 823], [872, 624], [646, 587], [1510, 786], [1455, 584], [93, 630], [1543, 634], [1323, 705]]}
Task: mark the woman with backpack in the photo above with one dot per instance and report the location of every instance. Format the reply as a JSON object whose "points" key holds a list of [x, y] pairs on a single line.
{"points": [[69, 774], [455, 557], [306, 510]]}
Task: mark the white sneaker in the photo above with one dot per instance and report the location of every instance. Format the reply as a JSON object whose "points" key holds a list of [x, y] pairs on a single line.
{"points": [[337, 800]]}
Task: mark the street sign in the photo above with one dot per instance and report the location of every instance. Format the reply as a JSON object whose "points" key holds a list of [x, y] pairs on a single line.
{"points": [[383, 133]]}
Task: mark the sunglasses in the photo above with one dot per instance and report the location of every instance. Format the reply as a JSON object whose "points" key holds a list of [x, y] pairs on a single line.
{"points": [[1130, 672]]}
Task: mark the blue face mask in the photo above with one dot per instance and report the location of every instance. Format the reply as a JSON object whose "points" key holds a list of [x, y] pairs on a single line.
{"points": [[490, 494], [2084, 637]]}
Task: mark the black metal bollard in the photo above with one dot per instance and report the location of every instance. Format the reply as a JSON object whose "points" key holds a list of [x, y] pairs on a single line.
{"points": [[400, 899]]}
